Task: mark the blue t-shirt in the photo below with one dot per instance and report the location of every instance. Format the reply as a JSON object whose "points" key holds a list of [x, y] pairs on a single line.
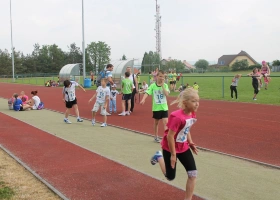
{"points": [[108, 74], [17, 104]]}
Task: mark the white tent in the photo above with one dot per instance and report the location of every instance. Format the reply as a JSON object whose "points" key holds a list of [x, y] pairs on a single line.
{"points": [[70, 72]]}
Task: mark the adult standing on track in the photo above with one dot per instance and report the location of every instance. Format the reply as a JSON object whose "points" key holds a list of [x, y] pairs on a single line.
{"points": [[234, 84], [265, 71], [134, 80], [255, 82]]}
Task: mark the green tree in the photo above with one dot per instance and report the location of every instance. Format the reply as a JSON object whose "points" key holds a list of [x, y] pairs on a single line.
{"points": [[124, 57], [202, 64], [74, 54], [99, 54], [276, 63], [5, 62], [240, 65], [150, 61]]}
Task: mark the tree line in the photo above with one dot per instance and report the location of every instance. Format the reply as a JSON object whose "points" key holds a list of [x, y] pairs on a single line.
{"points": [[51, 58]]}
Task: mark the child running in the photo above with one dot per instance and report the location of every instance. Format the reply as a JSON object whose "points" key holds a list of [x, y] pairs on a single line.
{"points": [[177, 141], [102, 96], [69, 97], [234, 84], [113, 99], [127, 88], [159, 91], [255, 82]]}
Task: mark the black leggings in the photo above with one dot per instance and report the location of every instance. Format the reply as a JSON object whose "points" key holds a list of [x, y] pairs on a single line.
{"points": [[132, 101], [256, 87], [186, 158], [233, 88]]}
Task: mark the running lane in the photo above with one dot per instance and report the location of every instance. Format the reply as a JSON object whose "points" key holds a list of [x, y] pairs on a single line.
{"points": [[243, 129], [76, 172]]}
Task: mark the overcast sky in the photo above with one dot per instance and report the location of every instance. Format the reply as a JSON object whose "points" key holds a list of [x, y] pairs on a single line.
{"points": [[191, 29]]}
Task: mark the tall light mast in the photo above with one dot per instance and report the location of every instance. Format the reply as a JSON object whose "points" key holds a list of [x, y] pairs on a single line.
{"points": [[158, 30]]}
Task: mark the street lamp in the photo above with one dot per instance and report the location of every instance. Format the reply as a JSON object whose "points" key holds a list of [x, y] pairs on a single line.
{"points": [[12, 46], [84, 54]]}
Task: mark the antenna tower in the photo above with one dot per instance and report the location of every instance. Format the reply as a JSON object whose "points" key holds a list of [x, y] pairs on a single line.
{"points": [[158, 30]]}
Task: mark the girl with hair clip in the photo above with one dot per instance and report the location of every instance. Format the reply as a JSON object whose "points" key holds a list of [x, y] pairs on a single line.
{"points": [[177, 141], [255, 81], [234, 84]]}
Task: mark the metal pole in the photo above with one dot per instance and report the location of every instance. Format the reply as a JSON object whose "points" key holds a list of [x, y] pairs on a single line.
{"points": [[223, 92], [13, 60], [84, 54]]}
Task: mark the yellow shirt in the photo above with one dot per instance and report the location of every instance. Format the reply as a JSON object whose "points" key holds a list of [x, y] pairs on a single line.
{"points": [[174, 76], [195, 86]]}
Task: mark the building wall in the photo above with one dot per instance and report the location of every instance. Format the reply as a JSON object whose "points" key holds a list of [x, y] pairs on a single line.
{"points": [[239, 58]]}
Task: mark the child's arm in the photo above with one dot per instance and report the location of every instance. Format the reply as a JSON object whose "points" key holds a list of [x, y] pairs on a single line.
{"points": [[171, 145], [82, 88], [144, 98], [165, 91], [191, 144], [92, 97]]}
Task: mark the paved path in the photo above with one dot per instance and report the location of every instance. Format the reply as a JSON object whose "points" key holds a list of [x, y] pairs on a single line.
{"points": [[220, 177]]}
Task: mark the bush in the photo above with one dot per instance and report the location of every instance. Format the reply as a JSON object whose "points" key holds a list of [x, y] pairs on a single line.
{"points": [[240, 65], [251, 67]]}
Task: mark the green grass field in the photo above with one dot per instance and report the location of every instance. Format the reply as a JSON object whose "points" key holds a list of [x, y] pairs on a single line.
{"points": [[212, 86]]}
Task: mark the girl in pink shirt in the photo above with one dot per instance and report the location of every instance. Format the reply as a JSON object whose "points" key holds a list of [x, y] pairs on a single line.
{"points": [[23, 97], [177, 141]]}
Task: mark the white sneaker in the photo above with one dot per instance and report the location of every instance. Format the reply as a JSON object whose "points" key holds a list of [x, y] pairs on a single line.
{"points": [[122, 114], [67, 121], [103, 125], [127, 113], [107, 114]]}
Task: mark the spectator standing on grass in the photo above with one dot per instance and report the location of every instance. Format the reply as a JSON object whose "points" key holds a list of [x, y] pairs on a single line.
{"points": [[159, 91], [195, 86], [177, 141], [171, 82], [174, 80], [234, 84], [134, 80], [255, 81], [91, 77], [127, 88], [113, 99], [102, 95], [70, 100]]}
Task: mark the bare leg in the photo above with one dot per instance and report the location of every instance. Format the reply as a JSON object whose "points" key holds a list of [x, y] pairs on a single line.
{"points": [[105, 117], [123, 106], [67, 113], [156, 127], [93, 115], [128, 105], [190, 188], [77, 111], [164, 122]]}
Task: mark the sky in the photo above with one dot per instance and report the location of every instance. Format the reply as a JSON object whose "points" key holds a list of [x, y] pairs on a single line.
{"points": [[191, 29]]}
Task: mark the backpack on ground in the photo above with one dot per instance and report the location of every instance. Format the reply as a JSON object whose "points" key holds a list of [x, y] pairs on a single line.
{"points": [[101, 75], [40, 106]]}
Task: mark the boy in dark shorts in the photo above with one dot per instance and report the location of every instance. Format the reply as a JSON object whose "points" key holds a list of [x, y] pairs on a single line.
{"points": [[69, 97], [159, 90], [127, 88]]}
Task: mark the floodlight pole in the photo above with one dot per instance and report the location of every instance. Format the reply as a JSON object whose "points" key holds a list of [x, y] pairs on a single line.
{"points": [[84, 54], [12, 46]]}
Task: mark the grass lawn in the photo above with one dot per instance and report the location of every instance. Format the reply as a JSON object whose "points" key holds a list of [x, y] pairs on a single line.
{"points": [[5, 191], [212, 86]]}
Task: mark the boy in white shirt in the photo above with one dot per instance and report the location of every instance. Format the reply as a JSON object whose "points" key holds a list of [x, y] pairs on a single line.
{"points": [[113, 99], [102, 96], [69, 97]]}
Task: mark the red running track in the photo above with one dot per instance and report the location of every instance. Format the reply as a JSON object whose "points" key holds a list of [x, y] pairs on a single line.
{"points": [[248, 130], [80, 174]]}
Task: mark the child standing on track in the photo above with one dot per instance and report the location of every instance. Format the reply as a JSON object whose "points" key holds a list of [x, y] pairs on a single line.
{"points": [[159, 91], [113, 99], [234, 84], [102, 96], [69, 97], [177, 141], [127, 88]]}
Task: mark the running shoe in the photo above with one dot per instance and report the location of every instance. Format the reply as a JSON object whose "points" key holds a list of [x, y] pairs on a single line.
{"points": [[67, 121], [93, 122], [79, 120], [254, 99], [127, 113], [154, 159], [122, 114], [103, 125], [157, 140]]}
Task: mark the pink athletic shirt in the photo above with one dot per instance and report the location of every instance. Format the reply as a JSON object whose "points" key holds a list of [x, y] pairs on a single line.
{"points": [[180, 123]]}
